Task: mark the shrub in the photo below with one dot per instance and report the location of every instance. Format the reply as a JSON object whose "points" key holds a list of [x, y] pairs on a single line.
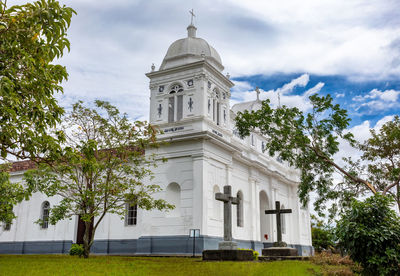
{"points": [[334, 264], [370, 233], [76, 250], [322, 235], [255, 255]]}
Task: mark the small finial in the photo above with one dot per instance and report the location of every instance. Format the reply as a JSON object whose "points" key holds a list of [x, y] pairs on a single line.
{"points": [[228, 76], [258, 93], [153, 67]]}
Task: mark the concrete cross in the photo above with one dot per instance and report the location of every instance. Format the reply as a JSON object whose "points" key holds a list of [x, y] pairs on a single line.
{"points": [[228, 200], [192, 14], [258, 93], [278, 211]]}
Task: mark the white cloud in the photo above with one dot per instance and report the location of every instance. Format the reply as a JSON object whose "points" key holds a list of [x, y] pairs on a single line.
{"points": [[378, 100], [314, 89], [301, 81], [245, 92], [387, 95]]}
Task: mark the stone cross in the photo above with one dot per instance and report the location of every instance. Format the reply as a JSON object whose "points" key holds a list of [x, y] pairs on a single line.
{"points": [[258, 93], [192, 14], [278, 211], [228, 200]]}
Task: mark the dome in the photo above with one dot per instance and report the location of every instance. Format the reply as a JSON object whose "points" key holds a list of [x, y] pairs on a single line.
{"points": [[249, 106], [191, 49]]}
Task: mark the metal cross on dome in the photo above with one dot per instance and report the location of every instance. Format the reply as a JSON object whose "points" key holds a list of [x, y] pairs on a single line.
{"points": [[192, 15]]}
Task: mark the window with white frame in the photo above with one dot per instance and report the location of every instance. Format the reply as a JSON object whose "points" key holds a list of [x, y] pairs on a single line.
{"points": [[216, 106], [175, 103], [131, 214], [45, 215]]}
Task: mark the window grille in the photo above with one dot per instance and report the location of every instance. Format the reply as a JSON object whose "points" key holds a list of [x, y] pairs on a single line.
{"points": [[131, 214]]}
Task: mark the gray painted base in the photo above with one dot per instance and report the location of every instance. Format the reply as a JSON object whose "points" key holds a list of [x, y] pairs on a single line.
{"points": [[145, 245]]}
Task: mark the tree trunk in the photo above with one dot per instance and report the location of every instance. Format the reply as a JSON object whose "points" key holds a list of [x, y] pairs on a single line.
{"points": [[88, 238]]}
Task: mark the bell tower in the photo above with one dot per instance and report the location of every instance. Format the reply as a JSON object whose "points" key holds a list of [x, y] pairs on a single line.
{"points": [[189, 92]]}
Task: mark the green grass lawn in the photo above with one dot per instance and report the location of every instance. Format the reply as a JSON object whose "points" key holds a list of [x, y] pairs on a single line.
{"points": [[116, 265]]}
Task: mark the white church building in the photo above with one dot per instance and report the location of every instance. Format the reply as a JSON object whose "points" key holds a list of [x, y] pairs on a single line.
{"points": [[190, 103]]}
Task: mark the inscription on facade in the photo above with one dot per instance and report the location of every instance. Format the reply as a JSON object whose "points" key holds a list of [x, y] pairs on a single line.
{"points": [[172, 129], [217, 133]]}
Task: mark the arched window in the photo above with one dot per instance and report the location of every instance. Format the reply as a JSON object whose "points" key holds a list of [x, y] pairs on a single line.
{"points": [[217, 205], [175, 113], [239, 209], [283, 221], [45, 215], [131, 214], [173, 196], [265, 220]]}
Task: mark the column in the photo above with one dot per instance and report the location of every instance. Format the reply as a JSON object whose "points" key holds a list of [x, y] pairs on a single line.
{"points": [[199, 208], [253, 206]]}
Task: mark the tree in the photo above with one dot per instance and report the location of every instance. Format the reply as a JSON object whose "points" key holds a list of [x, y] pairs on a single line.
{"points": [[322, 235], [370, 233], [101, 168], [10, 195], [32, 36], [309, 142]]}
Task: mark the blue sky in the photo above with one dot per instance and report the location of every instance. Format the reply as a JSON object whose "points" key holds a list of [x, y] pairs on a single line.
{"points": [[345, 92], [350, 49]]}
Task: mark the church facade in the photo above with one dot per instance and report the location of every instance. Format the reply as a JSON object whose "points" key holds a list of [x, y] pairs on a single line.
{"points": [[189, 102]]}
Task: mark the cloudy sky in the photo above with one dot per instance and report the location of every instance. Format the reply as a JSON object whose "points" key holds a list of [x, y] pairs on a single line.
{"points": [[350, 49]]}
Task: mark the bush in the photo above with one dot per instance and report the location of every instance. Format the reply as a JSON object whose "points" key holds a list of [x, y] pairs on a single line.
{"points": [[321, 239], [370, 233], [255, 255], [76, 250]]}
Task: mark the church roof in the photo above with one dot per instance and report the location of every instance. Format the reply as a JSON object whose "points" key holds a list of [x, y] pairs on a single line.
{"points": [[249, 106], [191, 49], [22, 166]]}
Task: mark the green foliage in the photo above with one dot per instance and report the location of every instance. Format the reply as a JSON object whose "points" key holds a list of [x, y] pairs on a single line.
{"points": [[255, 255], [76, 250], [100, 168], [309, 141], [32, 36], [370, 232], [322, 235], [10, 195]]}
